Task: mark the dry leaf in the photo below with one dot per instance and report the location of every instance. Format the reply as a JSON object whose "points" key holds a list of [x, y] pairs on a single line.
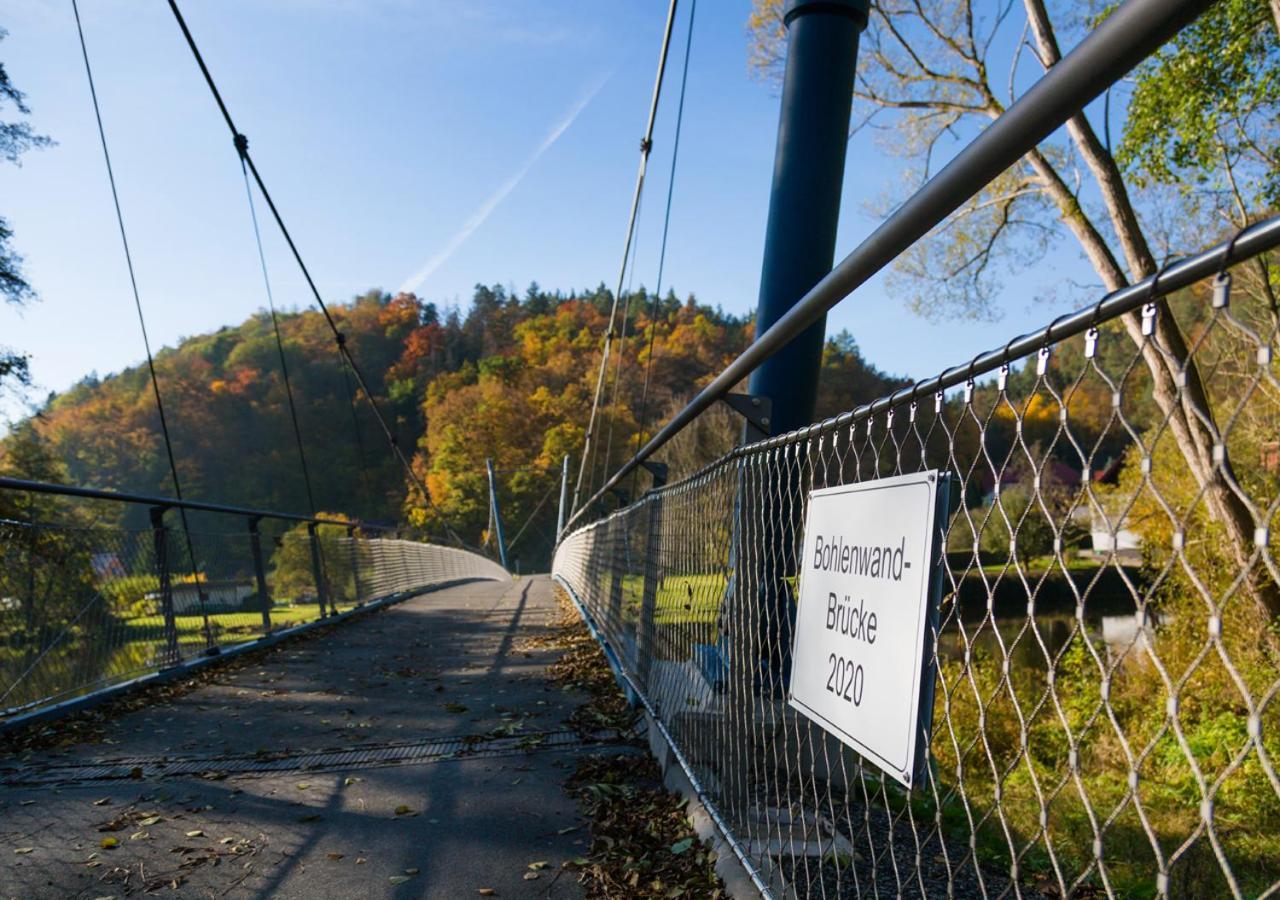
{"points": [[103, 802], [486, 892], [540, 864], [23, 850], [398, 879], [531, 876], [196, 833], [412, 871], [403, 810], [149, 820]]}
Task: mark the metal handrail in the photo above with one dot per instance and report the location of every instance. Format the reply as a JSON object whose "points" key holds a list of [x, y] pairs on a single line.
{"points": [[66, 490], [1130, 34]]}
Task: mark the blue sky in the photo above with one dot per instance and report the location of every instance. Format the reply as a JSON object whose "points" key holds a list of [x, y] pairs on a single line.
{"points": [[407, 142]]}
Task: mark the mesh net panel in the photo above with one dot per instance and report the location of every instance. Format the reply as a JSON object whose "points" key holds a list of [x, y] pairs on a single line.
{"points": [[1107, 656], [84, 608]]}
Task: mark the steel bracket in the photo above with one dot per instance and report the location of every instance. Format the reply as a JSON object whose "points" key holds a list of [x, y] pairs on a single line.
{"points": [[658, 470], [758, 412]]}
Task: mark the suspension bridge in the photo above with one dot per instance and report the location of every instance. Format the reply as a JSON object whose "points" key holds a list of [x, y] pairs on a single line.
{"points": [[1009, 630]]}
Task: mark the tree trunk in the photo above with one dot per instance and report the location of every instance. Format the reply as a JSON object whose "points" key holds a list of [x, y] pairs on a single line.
{"points": [[1166, 355]]}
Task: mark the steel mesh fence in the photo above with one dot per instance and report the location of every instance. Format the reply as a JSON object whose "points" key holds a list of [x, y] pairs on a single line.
{"points": [[86, 606], [1107, 650]]}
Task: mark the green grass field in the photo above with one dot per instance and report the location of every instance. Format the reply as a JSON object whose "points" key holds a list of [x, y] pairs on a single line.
{"points": [[191, 627]]}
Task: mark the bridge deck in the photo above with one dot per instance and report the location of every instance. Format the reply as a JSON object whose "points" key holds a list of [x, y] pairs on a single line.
{"points": [[283, 777]]}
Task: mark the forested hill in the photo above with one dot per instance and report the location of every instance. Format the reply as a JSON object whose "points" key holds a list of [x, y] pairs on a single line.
{"points": [[511, 379]]}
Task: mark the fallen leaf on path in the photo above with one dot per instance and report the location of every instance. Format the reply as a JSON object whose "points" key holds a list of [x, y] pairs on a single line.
{"points": [[403, 810], [335, 856], [412, 871], [531, 876], [149, 820], [103, 802], [540, 864], [109, 843], [486, 892], [22, 850], [196, 833], [398, 879]]}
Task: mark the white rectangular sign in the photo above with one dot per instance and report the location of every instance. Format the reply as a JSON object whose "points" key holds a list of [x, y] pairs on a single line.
{"points": [[862, 662]]}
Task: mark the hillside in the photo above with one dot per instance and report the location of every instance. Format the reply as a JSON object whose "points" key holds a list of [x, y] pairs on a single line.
{"points": [[512, 378]]}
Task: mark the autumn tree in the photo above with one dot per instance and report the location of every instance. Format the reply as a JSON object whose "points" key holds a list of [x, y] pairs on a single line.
{"points": [[929, 70]]}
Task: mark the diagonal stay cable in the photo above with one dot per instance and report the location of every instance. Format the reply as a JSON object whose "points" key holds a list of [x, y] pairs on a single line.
{"points": [[243, 146], [529, 520], [611, 419], [643, 418], [646, 144], [338, 334], [355, 430], [662, 258], [142, 322]]}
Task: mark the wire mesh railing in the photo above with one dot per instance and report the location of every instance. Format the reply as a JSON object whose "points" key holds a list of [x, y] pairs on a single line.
{"points": [[1106, 650], [85, 606]]}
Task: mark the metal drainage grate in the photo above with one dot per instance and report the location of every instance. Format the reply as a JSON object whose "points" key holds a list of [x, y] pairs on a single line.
{"points": [[436, 750]]}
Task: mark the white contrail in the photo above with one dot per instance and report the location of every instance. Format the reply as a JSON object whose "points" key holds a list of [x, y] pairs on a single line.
{"points": [[477, 218]]}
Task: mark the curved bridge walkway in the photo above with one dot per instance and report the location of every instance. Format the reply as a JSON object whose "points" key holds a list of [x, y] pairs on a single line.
{"points": [[418, 751]]}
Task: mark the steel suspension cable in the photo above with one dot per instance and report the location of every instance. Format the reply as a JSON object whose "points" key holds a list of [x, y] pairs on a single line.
{"points": [[529, 521], [142, 321], [666, 227], [355, 429], [275, 325], [662, 255], [646, 144], [339, 337], [618, 366]]}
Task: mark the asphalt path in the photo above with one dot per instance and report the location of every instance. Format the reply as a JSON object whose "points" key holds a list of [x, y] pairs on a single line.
{"points": [[419, 751]]}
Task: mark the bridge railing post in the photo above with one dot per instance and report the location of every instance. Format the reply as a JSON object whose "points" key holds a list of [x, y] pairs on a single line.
{"points": [[317, 571], [259, 573], [645, 626], [160, 536], [616, 537], [354, 544]]}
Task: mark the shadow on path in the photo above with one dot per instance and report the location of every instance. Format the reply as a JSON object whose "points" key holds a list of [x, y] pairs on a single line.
{"points": [[449, 664]]}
